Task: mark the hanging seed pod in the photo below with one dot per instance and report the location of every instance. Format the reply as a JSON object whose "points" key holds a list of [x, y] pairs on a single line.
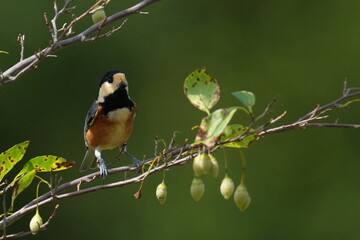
{"points": [[227, 187], [98, 14], [35, 222], [242, 197], [161, 193], [197, 189], [197, 166], [205, 163], [214, 170]]}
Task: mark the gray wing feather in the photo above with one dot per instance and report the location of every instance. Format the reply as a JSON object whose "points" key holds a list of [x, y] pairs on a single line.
{"points": [[89, 160], [90, 117]]}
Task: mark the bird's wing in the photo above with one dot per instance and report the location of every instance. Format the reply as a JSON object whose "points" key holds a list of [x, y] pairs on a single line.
{"points": [[90, 118]]}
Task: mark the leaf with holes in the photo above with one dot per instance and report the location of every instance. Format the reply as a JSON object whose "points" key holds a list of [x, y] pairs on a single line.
{"points": [[212, 126], [12, 156], [233, 131], [202, 90], [246, 98]]}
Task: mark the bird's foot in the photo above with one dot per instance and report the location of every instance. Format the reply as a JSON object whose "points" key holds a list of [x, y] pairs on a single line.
{"points": [[136, 162], [102, 168], [101, 163]]}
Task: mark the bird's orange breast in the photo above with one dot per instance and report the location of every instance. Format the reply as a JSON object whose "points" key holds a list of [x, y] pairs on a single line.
{"points": [[107, 132]]}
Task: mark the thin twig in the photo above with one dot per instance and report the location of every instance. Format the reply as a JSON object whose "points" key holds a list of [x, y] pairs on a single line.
{"points": [[21, 41], [334, 103], [107, 34], [23, 234], [18, 69]]}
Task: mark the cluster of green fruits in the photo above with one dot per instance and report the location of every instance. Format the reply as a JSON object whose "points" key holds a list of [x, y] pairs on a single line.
{"points": [[204, 164]]}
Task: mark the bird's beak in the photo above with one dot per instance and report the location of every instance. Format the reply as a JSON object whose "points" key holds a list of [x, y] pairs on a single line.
{"points": [[123, 84]]}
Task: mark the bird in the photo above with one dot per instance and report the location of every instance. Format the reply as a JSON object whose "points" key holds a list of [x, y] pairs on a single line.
{"points": [[109, 121]]}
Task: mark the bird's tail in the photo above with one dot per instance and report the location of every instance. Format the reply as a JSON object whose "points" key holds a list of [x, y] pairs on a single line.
{"points": [[89, 160]]}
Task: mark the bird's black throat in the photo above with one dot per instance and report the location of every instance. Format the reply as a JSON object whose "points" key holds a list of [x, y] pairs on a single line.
{"points": [[117, 100]]}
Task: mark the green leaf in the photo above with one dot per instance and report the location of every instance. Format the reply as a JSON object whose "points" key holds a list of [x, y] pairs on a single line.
{"points": [[202, 90], [23, 183], [233, 131], [47, 163], [4, 52], [212, 126], [10, 157], [246, 98]]}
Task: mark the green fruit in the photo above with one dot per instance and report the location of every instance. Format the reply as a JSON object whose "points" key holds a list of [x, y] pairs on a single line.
{"points": [[205, 163], [197, 189], [242, 197], [98, 14], [161, 193], [214, 170], [35, 223], [227, 187], [197, 166]]}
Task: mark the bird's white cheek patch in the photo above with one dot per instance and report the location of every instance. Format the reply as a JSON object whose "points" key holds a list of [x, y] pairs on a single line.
{"points": [[119, 115], [105, 90]]}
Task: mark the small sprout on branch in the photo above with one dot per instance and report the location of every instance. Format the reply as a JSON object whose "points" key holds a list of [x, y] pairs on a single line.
{"points": [[227, 187], [197, 189]]}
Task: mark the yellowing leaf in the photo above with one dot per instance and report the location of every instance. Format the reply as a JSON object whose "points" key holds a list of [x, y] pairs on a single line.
{"points": [[47, 163], [212, 126], [233, 131], [202, 90], [10, 157], [50, 163]]}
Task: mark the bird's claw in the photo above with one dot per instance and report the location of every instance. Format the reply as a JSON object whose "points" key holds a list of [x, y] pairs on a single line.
{"points": [[136, 162], [102, 168]]}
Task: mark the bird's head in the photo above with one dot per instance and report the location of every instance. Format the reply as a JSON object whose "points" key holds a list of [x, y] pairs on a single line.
{"points": [[112, 81]]}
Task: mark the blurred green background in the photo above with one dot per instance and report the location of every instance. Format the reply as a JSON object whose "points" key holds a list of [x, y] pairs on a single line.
{"points": [[303, 184]]}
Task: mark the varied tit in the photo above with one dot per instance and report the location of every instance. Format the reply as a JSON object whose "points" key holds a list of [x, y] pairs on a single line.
{"points": [[109, 121]]}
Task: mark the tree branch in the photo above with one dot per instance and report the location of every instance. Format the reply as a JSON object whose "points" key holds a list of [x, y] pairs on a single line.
{"points": [[171, 157], [17, 70]]}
